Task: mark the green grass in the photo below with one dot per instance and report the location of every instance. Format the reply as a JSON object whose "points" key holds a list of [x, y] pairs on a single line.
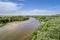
{"points": [[49, 31], [1, 25]]}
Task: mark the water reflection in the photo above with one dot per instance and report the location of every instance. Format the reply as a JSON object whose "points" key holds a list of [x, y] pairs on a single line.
{"points": [[19, 30]]}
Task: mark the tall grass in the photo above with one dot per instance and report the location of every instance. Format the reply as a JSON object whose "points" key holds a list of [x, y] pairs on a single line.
{"points": [[50, 29]]}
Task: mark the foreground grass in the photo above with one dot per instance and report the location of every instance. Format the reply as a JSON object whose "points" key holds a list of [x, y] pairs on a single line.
{"points": [[49, 31]]}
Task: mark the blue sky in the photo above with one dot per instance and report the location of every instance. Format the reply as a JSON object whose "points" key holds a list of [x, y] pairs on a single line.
{"points": [[29, 7]]}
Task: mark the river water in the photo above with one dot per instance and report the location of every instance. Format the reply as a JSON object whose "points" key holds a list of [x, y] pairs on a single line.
{"points": [[19, 30]]}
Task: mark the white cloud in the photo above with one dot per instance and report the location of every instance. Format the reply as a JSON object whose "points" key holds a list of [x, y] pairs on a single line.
{"points": [[6, 7], [34, 12], [10, 8], [37, 12]]}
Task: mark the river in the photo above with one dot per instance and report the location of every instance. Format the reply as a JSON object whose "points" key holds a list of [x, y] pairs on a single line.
{"points": [[19, 30]]}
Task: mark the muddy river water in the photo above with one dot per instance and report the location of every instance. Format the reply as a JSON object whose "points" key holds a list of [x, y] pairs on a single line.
{"points": [[19, 30]]}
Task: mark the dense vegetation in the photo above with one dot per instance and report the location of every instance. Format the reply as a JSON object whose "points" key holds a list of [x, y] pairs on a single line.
{"points": [[50, 30], [6, 19]]}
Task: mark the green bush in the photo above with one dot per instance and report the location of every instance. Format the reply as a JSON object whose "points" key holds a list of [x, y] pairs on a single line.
{"points": [[6, 19], [49, 31]]}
